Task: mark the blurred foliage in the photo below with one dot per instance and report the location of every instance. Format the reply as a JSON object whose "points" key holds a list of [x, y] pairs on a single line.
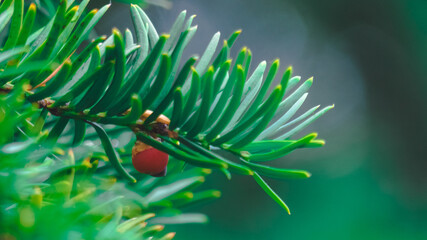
{"points": [[47, 193]]}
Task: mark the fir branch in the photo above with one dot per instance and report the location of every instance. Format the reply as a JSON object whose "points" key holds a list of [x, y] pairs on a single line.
{"points": [[213, 103]]}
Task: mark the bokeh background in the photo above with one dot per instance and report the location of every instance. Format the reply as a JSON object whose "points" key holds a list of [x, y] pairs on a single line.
{"points": [[369, 58]]}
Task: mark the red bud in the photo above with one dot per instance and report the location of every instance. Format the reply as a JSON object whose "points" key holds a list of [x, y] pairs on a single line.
{"points": [[148, 160]]}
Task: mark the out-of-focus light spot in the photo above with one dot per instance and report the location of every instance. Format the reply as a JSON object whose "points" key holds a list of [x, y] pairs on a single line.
{"points": [[26, 217]]}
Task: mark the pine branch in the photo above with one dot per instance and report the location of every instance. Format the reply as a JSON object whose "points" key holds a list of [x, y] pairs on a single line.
{"points": [[213, 103]]}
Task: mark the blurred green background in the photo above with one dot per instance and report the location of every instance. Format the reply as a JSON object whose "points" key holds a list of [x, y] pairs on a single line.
{"points": [[368, 57]]}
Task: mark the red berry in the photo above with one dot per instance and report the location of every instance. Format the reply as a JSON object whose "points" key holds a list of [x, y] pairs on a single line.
{"points": [[148, 160]]}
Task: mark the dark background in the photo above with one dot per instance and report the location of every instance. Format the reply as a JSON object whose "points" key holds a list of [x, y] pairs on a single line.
{"points": [[368, 58]]}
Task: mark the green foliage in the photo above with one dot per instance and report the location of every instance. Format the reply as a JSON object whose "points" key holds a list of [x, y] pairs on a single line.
{"points": [[48, 193], [53, 174]]}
